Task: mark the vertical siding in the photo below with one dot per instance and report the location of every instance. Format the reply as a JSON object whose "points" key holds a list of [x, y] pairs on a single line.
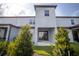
{"points": [[45, 21], [66, 22], [16, 21]]}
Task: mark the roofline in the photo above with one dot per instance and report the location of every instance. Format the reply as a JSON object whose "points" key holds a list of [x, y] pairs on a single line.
{"points": [[67, 16], [71, 27], [34, 16], [17, 16], [12, 25], [45, 6], [39, 5], [9, 25], [75, 26]]}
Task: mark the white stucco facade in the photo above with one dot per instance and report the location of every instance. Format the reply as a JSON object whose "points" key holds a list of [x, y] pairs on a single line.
{"points": [[40, 24]]}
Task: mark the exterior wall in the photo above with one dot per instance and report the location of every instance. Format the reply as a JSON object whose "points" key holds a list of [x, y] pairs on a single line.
{"points": [[16, 21], [50, 35], [70, 35], [33, 35], [13, 33], [42, 21], [76, 21], [66, 22], [7, 36], [45, 21]]}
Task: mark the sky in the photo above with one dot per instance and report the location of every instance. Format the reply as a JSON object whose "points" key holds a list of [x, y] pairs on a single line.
{"points": [[67, 9], [22, 8]]}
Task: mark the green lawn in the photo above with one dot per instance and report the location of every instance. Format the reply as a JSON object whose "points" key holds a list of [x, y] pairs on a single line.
{"points": [[43, 50], [46, 50], [75, 47]]}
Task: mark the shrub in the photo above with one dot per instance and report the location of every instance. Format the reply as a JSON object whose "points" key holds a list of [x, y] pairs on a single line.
{"points": [[62, 44], [12, 49], [3, 47], [22, 45]]}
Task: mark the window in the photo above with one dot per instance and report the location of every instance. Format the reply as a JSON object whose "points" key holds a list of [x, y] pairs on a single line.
{"points": [[3, 32], [43, 35], [32, 21], [72, 21], [46, 12]]}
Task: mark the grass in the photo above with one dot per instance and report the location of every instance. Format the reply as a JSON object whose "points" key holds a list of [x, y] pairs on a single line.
{"points": [[46, 50], [75, 47], [43, 50]]}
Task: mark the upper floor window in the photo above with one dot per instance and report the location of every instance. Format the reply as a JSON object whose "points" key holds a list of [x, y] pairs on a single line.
{"points": [[46, 13], [72, 21], [32, 21]]}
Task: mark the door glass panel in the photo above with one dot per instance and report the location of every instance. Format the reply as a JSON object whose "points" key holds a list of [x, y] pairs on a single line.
{"points": [[43, 36]]}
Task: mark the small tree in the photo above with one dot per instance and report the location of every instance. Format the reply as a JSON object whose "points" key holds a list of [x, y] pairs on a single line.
{"points": [[62, 45], [22, 46]]}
